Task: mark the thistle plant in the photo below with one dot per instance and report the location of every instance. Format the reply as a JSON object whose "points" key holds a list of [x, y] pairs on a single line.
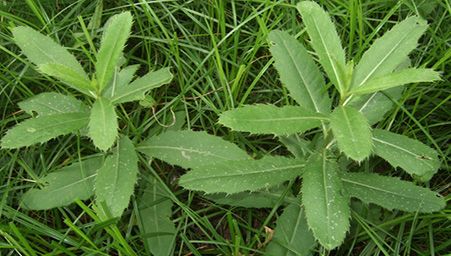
{"points": [[340, 137], [111, 175]]}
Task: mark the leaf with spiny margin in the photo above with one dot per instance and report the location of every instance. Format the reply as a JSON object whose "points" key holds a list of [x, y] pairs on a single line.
{"points": [[352, 132], [269, 119], [242, 175], [325, 42], [374, 106], [292, 236], [115, 35], [298, 72], [116, 179], [405, 76], [50, 103], [137, 89], [411, 155], [43, 128], [64, 186], [326, 208], [391, 193], [189, 149], [389, 51], [267, 198], [120, 79], [68, 76], [103, 124], [157, 229], [41, 49], [297, 146]]}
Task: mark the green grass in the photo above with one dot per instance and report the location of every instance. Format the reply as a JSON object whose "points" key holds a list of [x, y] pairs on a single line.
{"points": [[219, 55]]}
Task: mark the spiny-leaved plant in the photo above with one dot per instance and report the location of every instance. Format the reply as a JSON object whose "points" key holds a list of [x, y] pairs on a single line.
{"points": [[111, 175], [340, 138]]}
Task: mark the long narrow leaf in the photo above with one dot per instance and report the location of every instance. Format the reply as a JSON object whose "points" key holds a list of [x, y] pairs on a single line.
{"points": [[120, 79], [43, 128], [158, 230], [391, 193], [325, 42], [68, 76], [326, 207], [116, 33], [242, 175], [103, 124], [64, 186], [269, 119], [352, 132], [116, 179], [50, 103], [411, 155], [389, 51], [292, 235], [298, 72], [189, 149], [406, 76]]}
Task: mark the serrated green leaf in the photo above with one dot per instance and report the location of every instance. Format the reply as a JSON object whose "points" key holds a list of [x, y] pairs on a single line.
{"points": [[352, 132], [405, 76], [326, 208], [137, 89], [297, 146], [374, 106], [154, 212], [298, 72], [242, 175], [391, 192], [43, 128], [269, 119], [115, 34], [103, 124], [389, 51], [50, 103], [411, 155], [189, 149], [292, 236], [325, 42], [41, 49], [120, 79], [267, 198], [64, 186], [116, 179], [68, 76]]}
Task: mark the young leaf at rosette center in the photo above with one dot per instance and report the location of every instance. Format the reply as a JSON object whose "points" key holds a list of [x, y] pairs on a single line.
{"points": [[189, 149], [64, 186], [103, 124], [325, 42], [374, 106], [326, 207], [292, 235], [405, 76], [411, 155], [50, 103], [115, 34], [137, 89], [116, 179], [298, 72], [391, 192], [269, 119], [43, 128], [352, 132], [242, 175], [389, 51], [68, 76], [120, 79], [156, 227], [41, 49]]}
